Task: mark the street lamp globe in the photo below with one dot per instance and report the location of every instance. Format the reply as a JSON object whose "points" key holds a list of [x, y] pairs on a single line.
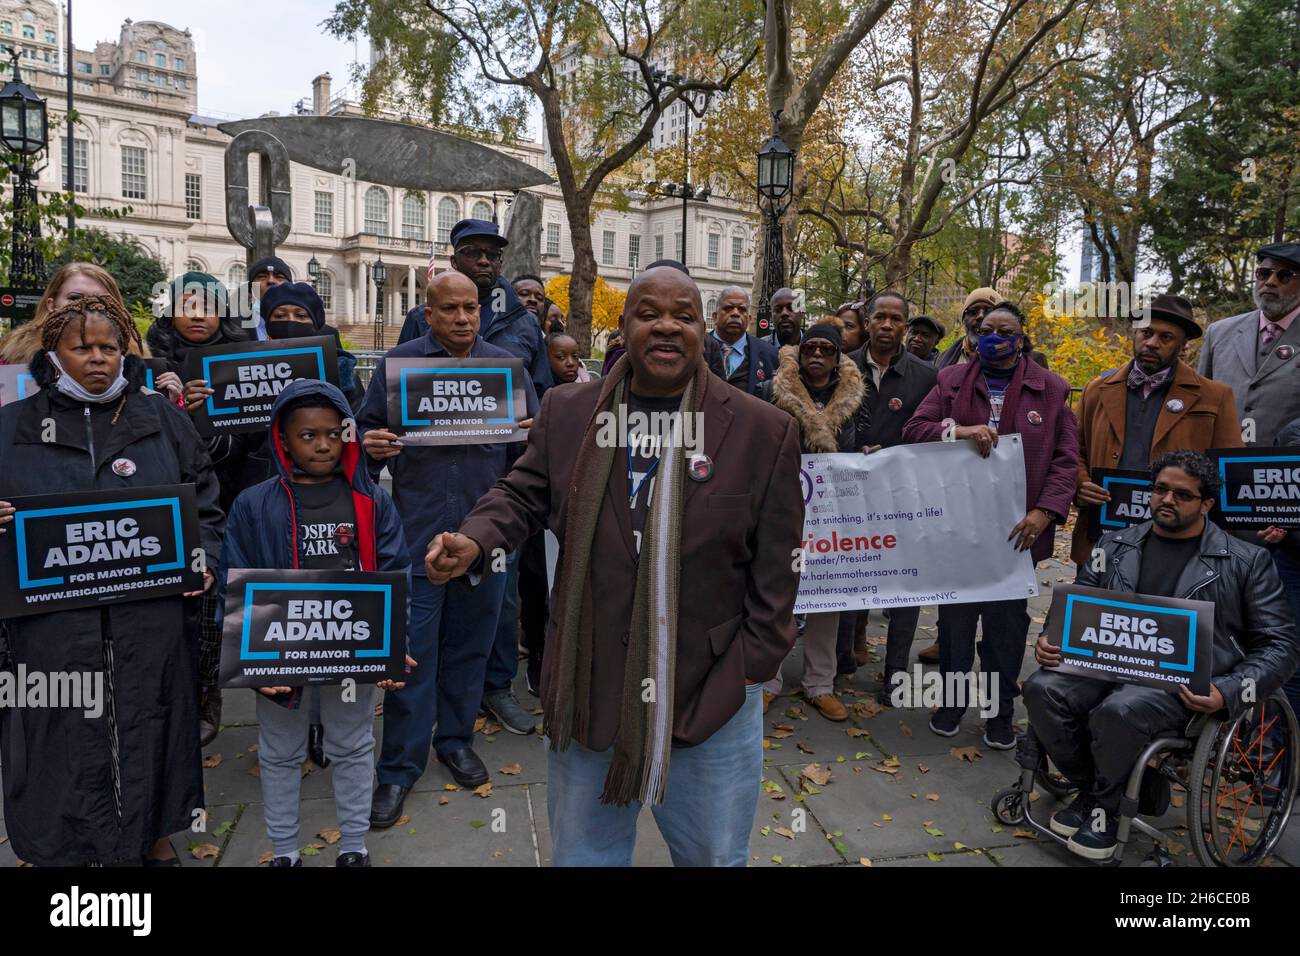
{"points": [[23, 123], [775, 169], [378, 272], [313, 267]]}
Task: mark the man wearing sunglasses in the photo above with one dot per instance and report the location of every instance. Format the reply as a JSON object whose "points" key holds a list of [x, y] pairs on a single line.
{"points": [[1258, 352], [1093, 729]]}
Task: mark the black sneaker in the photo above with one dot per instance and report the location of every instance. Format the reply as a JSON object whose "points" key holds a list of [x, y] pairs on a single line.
{"points": [[946, 721], [1097, 844], [353, 859], [285, 861], [1077, 815], [999, 734]]}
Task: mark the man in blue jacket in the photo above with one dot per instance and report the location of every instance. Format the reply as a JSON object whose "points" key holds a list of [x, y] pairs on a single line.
{"points": [[452, 627], [504, 322]]}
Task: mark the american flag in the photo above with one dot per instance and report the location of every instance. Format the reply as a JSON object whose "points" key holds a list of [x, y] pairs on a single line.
{"points": [[433, 255]]}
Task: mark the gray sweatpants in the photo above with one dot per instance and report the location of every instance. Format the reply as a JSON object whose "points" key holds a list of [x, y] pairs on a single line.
{"points": [[350, 746]]}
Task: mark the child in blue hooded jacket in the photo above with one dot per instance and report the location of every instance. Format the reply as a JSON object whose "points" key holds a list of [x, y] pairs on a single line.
{"points": [[322, 511]]}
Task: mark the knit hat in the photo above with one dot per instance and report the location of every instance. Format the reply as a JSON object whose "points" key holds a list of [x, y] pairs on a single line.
{"points": [[300, 294], [270, 264], [982, 296], [823, 330], [214, 293]]}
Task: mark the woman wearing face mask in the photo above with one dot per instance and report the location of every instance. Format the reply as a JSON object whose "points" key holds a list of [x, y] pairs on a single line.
{"points": [[293, 310], [85, 788], [1003, 392], [198, 317]]}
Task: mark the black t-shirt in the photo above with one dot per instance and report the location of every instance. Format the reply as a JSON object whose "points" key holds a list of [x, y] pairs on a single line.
{"points": [[323, 509], [1163, 560], [641, 451]]}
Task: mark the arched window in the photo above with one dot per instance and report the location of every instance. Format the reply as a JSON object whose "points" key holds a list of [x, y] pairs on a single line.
{"points": [[482, 210], [413, 216], [325, 289], [238, 275], [377, 211], [448, 213], [195, 265]]}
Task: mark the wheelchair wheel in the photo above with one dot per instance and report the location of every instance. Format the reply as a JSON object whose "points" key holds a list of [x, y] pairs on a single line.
{"points": [[1242, 783], [1009, 806]]}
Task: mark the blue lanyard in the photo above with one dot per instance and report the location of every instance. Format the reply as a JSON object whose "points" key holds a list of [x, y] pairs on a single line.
{"points": [[637, 487]]}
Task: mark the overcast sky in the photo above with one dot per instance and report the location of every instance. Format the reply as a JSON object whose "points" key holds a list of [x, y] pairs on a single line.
{"points": [[253, 55]]}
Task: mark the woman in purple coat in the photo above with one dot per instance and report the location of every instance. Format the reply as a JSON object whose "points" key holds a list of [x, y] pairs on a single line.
{"points": [[1003, 393]]}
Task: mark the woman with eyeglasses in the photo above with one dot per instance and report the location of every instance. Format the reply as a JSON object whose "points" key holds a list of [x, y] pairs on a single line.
{"points": [[1002, 392], [822, 389]]}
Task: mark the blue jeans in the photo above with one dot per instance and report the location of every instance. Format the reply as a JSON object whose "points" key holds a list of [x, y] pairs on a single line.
{"points": [[1288, 569], [708, 809], [452, 627], [503, 662]]}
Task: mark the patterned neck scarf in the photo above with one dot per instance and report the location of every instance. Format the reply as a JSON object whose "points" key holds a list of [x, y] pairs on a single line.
{"points": [[1140, 381]]}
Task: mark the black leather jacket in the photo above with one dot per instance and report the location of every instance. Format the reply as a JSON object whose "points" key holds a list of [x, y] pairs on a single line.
{"points": [[1254, 633]]}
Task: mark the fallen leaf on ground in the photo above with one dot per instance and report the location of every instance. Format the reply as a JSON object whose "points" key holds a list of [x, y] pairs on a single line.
{"points": [[330, 835], [492, 729], [866, 708], [204, 851], [932, 796], [312, 849], [1024, 834], [477, 824], [935, 857], [511, 770], [934, 831], [782, 734], [877, 640], [785, 832], [450, 786], [777, 860], [804, 748], [907, 731], [254, 771], [252, 748], [1176, 801], [855, 731], [403, 820], [265, 858], [923, 768], [443, 800], [969, 754], [479, 724], [213, 760], [484, 791], [795, 713], [864, 861], [817, 774]]}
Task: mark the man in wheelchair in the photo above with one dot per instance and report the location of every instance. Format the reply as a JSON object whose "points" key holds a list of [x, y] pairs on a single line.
{"points": [[1094, 730]]}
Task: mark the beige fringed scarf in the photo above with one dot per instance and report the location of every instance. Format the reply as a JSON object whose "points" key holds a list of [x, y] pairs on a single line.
{"points": [[639, 769]]}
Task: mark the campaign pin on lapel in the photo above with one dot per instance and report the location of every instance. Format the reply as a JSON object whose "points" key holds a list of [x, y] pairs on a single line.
{"points": [[699, 467], [895, 404], [1174, 404], [124, 467], [1034, 418], [1284, 352]]}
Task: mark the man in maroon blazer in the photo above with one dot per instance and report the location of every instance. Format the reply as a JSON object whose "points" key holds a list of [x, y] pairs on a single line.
{"points": [[674, 591]]}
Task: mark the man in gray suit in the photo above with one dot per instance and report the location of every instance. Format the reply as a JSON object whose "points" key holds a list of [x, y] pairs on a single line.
{"points": [[1258, 352]]}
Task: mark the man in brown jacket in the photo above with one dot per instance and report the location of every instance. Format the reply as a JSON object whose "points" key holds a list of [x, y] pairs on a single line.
{"points": [[675, 586], [1152, 405]]}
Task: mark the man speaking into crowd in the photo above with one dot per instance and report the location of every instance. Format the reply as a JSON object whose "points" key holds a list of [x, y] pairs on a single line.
{"points": [[674, 594]]}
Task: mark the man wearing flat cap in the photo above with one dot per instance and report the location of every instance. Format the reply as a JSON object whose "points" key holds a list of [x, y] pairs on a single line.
{"points": [[1150, 406], [922, 337], [1258, 353]]}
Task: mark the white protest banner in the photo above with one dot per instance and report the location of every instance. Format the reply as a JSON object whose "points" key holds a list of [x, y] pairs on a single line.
{"points": [[913, 524]]}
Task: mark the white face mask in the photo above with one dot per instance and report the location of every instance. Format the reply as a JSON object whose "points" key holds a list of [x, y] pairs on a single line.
{"points": [[70, 387]]}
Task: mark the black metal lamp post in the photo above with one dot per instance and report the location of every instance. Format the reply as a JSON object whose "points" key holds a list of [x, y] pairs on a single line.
{"points": [[775, 190], [313, 270], [24, 132], [378, 272], [686, 189]]}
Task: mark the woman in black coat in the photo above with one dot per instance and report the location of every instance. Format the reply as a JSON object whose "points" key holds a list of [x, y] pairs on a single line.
{"points": [[108, 790]]}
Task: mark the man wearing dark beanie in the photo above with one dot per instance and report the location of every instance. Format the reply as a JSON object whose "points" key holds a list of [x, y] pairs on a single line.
{"points": [[267, 272], [822, 390]]}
